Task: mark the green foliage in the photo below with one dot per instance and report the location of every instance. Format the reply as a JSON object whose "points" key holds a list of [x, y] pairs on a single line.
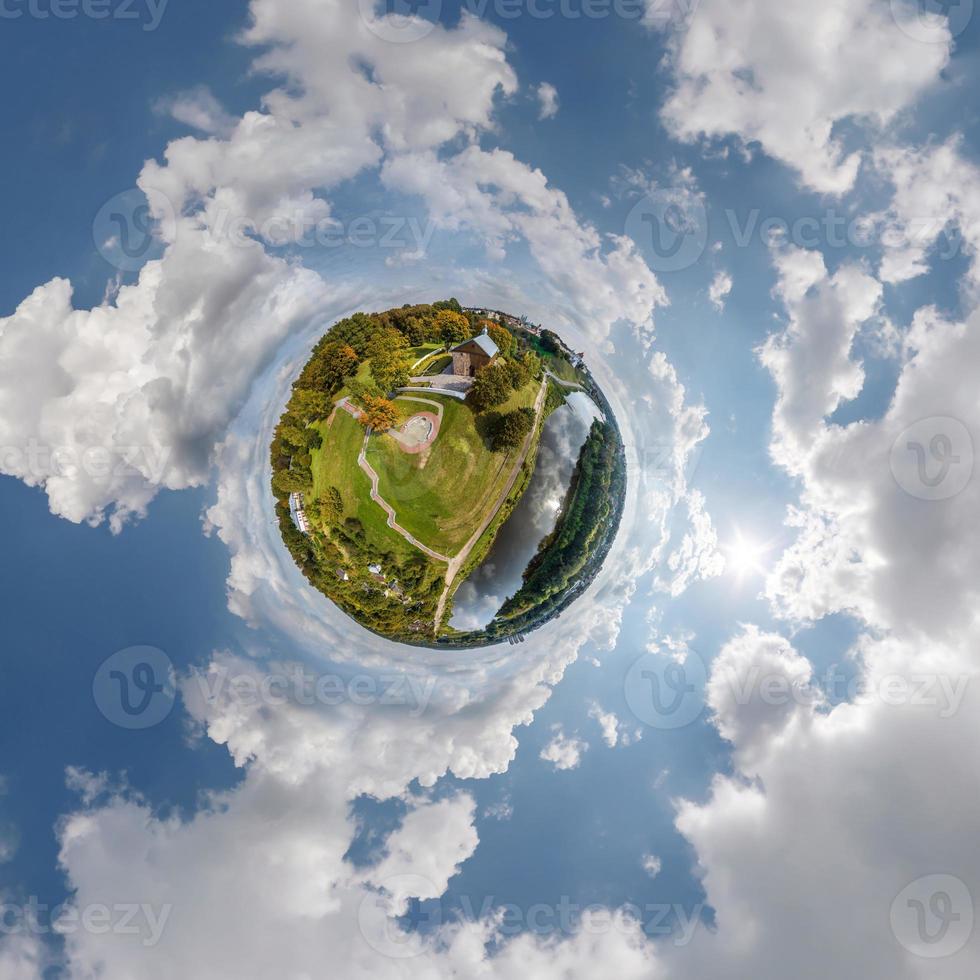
{"points": [[532, 364], [453, 327], [292, 481], [390, 358], [584, 530], [328, 367], [511, 429], [490, 387], [517, 374], [331, 506]]}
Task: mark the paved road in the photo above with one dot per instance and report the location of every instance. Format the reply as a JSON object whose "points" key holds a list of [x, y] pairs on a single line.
{"points": [[457, 562]]}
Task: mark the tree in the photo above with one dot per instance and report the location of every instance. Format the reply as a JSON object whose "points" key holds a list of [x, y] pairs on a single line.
{"points": [[390, 360], [532, 362], [491, 386], [517, 374], [326, 370], [292, 481], [331, 506], [448, 304], [501, 336], [512, 429], [453, 327], [379, 413], [310, 404]]}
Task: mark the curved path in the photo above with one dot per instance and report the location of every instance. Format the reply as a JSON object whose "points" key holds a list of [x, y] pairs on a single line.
{"points": [[457, 562], [386, 507]]}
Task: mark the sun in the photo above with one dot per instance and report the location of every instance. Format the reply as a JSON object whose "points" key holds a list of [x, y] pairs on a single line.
{"points": [[745, 556]]}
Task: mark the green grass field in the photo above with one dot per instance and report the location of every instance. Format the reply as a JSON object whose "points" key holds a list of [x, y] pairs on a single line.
{"points": [[335, 464], [442, 497]]}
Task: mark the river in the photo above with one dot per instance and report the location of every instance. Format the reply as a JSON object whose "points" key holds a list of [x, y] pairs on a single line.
{"points": [[499, 576]]}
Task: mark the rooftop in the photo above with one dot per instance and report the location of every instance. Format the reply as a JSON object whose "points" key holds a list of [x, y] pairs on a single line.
{"points": [[484, 342]]}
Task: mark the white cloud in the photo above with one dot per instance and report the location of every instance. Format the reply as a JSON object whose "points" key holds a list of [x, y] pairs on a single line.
{"points": [[785, 73], [652, 865], [594, 281], [935, 209], [132, 396], [199, 109], [608, 722], [696, 557], [719, 289], [563, 751], [548, 100]]}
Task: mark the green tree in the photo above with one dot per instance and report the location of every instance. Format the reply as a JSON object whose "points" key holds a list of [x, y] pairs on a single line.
{"points": [[310, 404], [517, 374], [292, 481], [390, 359], [331, 506], [453, 327], [327, 369], [512, 429], [532, 362], [491, 386]]}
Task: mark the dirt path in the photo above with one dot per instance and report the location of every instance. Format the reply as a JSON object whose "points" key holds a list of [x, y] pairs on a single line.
{"points": [[457, 562]]}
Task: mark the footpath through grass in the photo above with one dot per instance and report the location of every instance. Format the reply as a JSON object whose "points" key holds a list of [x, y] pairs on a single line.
{"points": [[442, 496]]}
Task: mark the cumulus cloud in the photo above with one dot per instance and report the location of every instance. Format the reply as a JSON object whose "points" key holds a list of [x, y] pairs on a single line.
{"points": [[547, 100], [563, 751], [103, 407], [785, 74], [934, 211]]}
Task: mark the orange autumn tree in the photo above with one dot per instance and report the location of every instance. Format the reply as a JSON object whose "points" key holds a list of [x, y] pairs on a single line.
{"points": [[378, 413]]}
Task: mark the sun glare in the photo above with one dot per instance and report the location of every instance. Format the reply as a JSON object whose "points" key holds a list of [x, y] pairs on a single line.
{"points": [[745, 556]]}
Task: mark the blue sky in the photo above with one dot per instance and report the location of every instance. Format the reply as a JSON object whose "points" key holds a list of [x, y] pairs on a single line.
{"points": [[773, 533]]}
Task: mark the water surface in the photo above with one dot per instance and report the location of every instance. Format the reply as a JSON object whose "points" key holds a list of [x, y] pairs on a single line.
{"points": [[499, 577]]}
